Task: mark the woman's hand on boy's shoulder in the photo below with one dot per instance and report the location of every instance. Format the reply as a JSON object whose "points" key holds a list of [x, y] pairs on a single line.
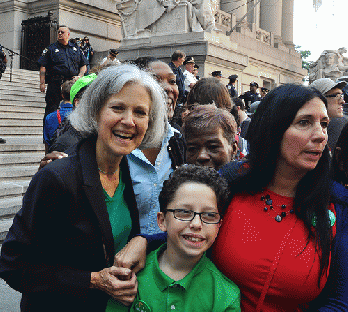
{"points": [[133, 255]]}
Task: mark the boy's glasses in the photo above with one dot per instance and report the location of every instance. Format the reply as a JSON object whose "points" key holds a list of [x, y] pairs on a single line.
{"points": [[189, 215]]}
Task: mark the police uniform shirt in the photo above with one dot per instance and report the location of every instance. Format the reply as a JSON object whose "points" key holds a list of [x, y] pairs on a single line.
{"points": [[61, 60]]}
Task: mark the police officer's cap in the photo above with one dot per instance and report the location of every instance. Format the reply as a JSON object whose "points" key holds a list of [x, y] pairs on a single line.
{"points": [[216, 73], [233, 77]]}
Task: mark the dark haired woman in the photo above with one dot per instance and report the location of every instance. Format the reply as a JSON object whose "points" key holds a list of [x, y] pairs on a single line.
{"points": [[283, 238]]}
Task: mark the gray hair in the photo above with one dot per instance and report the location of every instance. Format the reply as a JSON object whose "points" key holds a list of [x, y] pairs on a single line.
{"points": [[109, 82]]}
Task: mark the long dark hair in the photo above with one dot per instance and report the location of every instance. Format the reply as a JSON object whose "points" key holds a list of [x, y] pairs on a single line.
{"points": [[272, 118]]}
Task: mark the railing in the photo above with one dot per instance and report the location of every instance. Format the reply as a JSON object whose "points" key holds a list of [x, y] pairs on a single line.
{"points": [[11, 55]]}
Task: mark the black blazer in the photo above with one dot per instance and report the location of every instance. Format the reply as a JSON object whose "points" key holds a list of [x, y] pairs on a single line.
{"points": [[62, 234]]}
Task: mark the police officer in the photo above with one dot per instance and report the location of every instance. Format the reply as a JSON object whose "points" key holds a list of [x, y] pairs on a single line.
{"points": [[251, 96], [59, 62]]}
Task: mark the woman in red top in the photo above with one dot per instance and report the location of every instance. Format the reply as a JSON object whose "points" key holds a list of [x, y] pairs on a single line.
{"points": [[275, 239]]}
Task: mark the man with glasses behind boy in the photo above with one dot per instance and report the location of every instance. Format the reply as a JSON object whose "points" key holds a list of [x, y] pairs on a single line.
{"points": [[334, 96]]}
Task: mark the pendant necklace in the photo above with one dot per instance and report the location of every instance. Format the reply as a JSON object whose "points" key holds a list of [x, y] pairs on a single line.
{"points": [[270, 207]]}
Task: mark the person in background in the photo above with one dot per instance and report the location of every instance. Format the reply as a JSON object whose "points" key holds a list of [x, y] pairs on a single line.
{"points": [[340, 158], [55, 119], [177, 60], [195, 71], [208, 91], [251, 96], [111, 58], [88, 52], [59, 62], [80, 210], [190, 78], [217, 74], [210, 135], [66, 135], [244, 119], [150, 167], [231, 86], [264, 92], [335, 100], [3, 62]]}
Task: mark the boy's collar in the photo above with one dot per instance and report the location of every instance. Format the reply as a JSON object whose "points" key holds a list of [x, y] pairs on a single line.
{"points": [[163, 281]]}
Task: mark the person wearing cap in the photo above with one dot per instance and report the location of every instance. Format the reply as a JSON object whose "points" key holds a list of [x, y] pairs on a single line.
{"points": [[87, 51], [231, 86], [217, 74], [111, 58], [66, 135], [334, 96], [190, 78], [59, 62], [251, 96]]}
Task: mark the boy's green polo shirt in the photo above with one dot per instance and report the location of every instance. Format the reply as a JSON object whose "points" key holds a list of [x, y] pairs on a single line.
{"points": [[205, 288]]}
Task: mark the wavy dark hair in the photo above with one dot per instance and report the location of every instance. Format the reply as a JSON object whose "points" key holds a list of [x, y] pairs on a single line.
{"points": [[272, 118], [198, 174]]}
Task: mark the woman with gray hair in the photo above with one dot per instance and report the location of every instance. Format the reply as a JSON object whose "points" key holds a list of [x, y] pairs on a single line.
{"points": [[80, 210]]}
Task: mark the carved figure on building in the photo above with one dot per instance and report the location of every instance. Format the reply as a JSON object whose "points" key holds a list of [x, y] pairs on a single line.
{"points": [[330, 64], [142, 18]]}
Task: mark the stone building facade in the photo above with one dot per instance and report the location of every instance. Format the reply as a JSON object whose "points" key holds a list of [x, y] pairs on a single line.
{"points": [[252, 38]]}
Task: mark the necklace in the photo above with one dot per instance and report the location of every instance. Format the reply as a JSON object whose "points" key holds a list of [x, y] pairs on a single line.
{"points": [[111, 173], [280, 216]]}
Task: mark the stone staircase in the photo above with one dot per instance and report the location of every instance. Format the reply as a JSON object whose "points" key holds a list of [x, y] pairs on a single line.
{"points": [[21, 112]]}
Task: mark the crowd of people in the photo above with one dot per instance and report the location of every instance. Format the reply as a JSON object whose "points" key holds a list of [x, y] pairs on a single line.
{"points": [[163, 191]]}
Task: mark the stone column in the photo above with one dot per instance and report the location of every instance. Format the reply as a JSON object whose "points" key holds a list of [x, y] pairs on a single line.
{"points": [[271, 17], [237, 7], [288, 22]]}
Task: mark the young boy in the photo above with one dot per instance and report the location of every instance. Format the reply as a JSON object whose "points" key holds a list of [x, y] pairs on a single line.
{"points": [[178, 276]]}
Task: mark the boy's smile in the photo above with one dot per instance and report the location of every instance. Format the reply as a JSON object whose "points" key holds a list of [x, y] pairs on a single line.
{"points": [[188, 240]]}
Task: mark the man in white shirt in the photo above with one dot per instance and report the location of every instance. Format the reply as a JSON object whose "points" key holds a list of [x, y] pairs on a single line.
{"points": [[190, 78]]}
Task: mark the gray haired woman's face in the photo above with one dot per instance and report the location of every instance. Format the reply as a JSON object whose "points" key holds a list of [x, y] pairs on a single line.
{"points": [[123, 120]]}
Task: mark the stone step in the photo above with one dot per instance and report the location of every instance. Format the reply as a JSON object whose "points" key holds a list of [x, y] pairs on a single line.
{"points": [[17, 172], [5, 225], [20, 131], [20, 97], [10, 206], [5, 107], [21, 115], [13, 188], [21, 73], [19, 123], [22, 144], [28, 91], [21, 158], [23, 91], [20, 103]]}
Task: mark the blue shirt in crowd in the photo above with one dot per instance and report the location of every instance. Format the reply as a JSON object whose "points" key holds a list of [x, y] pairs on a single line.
{"points": [[148, 181]]}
